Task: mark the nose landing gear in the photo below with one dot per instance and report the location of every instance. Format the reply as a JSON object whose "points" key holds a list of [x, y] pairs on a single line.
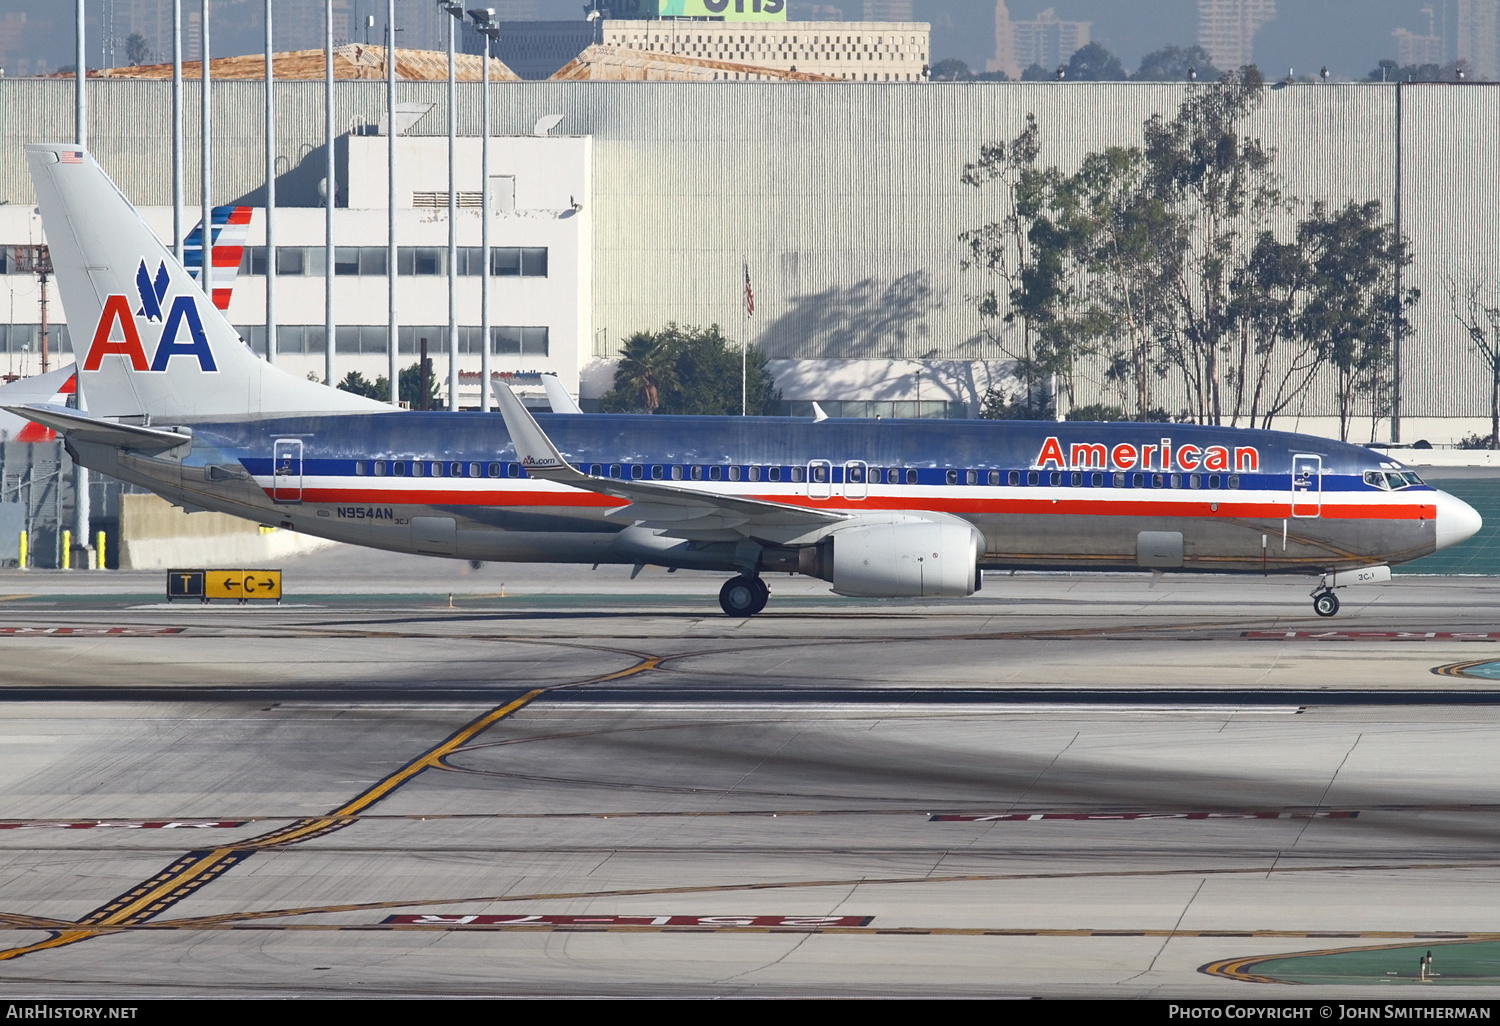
{"points": [[743, 596], [1325, 603]]}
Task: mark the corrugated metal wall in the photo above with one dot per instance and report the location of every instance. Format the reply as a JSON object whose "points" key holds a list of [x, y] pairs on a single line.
{"points": [[844, 200]]}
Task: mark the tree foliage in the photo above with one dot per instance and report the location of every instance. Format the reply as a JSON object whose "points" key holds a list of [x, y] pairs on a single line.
{"points": [[380, 388], [1473, 303], [1152, 267], [1172, 64], [688, 371], [1094, 63]]}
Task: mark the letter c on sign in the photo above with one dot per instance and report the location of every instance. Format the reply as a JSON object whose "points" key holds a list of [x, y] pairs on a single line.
{"points": [[1187, 457]]}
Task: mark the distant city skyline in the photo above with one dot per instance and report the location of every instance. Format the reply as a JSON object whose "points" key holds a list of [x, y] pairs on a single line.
{"points": [[1350, 37]]}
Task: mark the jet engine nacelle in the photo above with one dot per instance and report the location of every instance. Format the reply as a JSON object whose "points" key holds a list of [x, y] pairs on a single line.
{"points": [[914, 559]]}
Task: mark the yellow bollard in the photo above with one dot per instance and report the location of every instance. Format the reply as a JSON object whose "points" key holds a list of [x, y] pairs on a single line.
{"points": [[99, 550], [67, 547], [23, 550]]}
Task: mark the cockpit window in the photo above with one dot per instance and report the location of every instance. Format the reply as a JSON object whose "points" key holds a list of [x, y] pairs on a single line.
{"points": [[1391, 480]]}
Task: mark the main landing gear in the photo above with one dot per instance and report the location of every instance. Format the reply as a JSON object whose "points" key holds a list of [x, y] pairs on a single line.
{"points": [[1325, 602], [743, 596]]}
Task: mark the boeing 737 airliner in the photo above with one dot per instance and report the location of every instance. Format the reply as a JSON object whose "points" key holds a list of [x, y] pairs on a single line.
{"points": [[178, 403]]}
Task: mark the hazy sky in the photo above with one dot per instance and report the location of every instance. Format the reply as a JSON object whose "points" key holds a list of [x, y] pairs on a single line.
{"points": [[1349, 36]]}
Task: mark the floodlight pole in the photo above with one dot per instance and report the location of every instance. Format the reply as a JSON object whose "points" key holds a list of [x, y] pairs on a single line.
{"points": [[488, 29], [329, 199], [80, 95], [179, 175], [205, 195], [455, 11], [270, 193], [80, 473], [392, 332]]}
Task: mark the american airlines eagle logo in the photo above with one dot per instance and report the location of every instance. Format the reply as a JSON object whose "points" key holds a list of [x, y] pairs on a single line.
{"points": [[1160, 455], [119, 333], [152, 292]]}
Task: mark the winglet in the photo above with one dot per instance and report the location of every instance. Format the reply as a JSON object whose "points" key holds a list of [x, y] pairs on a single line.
{"points": [[534, 449], [557, 395], [818, 415]]}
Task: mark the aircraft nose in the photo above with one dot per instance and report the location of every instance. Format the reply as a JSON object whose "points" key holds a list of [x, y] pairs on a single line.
{"points": [[1456, 520]]}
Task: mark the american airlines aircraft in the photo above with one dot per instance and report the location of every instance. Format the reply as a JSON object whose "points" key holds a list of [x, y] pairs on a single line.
{"points": [[178, 403]]}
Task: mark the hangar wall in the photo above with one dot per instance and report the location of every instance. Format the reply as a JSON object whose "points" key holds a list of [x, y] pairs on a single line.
{"points": [[845, 200]]}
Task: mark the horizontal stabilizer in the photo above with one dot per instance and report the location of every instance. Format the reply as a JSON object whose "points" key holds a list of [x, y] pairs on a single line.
{"points": [[70, 422]]}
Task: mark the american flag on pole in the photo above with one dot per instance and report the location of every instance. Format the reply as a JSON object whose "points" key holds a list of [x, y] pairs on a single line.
{"points": [[71, 157], [749, 293]]}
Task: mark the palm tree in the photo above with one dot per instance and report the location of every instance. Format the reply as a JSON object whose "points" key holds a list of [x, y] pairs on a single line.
{"points": [[646, 367]]}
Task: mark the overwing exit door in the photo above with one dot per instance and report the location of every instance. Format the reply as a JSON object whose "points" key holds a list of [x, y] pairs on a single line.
{"points": [[286, 460], [1307, 486]]}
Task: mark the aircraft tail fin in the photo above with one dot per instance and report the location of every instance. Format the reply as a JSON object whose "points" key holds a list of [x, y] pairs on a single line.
{"points": [[557, 396], [150, 344], [231, 230]]}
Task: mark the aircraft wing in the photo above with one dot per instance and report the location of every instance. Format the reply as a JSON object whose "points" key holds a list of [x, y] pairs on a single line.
{"points": [[660, 505], [91, 429]]}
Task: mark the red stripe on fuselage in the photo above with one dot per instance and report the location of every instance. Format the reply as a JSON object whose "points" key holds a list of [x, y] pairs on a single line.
{"points": [[1102, 506]]}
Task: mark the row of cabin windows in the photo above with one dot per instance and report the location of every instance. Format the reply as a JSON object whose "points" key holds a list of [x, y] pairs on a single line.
{"points": [[1083, 479], [817, 473], [303, 261], [436, 468]]}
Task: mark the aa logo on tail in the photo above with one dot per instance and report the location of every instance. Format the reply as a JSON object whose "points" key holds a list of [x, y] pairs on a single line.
{"points": [[183, 313]]}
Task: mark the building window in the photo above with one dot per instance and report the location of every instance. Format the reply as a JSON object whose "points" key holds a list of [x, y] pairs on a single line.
{"points": [[512, 341]]}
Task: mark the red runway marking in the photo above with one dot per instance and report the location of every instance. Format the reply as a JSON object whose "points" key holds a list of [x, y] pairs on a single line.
{"points": [[449, 920]]}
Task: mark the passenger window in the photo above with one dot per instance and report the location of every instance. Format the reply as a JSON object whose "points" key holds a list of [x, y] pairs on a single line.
{"points": [[379, 469], [437, 468], [911, 477], [1156, 480], [1053, 479], [1234, 480], [359, 467], [513, 470], [697, 474], [1013, 478], [1075, 479], [1097, 481], [856, 474], [891, 476], [754, 473], [796, 473], [495, 470], [714, 473], [734, 473], [774, 474], [1031, 477], [398, 468], [971, 477], [819, 474], [473, 467], [1176, 480], [994, 477], [1194, 481], [676, 473], [1119, 480], [1213, 481], [952, 477], [637, 471], [614, 470], [1137, 480], [656, 473], [416, 468], [457, 470]]}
